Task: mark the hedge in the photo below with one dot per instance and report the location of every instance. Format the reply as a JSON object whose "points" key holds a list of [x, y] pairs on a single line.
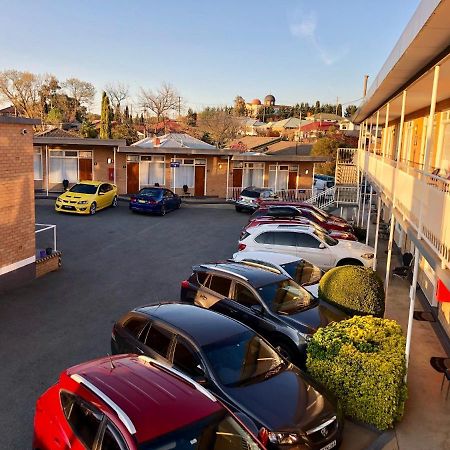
{"points": [[362, 361], [355, 289]]}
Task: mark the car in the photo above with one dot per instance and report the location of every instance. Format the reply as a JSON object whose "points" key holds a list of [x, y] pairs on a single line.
{"points": [[301, 271], [154, 199], [131, 402], [309, 243], [279, 214], [251, 196], [239, 367], [87, 197], [265, 298]]}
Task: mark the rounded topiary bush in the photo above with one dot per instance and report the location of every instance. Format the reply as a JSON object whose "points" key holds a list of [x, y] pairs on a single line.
{"points": [[362, 361], [355, 289]]}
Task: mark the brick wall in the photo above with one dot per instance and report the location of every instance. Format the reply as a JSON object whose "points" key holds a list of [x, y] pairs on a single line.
{"points": [[17, 241]]}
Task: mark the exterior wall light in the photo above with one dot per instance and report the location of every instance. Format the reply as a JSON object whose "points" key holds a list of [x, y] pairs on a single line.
{"points": [[110, 160]]}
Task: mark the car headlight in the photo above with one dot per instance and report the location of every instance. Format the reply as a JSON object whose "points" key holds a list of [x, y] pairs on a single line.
{"points": [[83, 202], [367, 256], [283, 438]]}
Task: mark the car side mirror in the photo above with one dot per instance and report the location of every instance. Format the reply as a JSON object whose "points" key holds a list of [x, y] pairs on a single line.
{"points": [[257, 309], [322, 245]]}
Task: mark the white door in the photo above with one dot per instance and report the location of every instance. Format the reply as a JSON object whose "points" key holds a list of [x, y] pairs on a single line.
{"points": [[309, 248]]}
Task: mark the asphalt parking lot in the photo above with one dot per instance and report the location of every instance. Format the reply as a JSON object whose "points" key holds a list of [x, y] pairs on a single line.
{"points": [[112, 262]]}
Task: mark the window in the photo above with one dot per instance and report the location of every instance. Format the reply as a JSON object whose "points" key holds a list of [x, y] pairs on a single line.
{"points": [[185, 174], [135, 325], [112, 440], [253, 174], [220, 285], [132, 158], [244, 296], [201, 277], [278, 177], [168, 194], [151, 170], [38, 163], [303, 272], [187, 360], [159, 340], [285, 238], [265, 238], [105, 188], [81, 188], [84, 420], [63, 166], [306, 240]]}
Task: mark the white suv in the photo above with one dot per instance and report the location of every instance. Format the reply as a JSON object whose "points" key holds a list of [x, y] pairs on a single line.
{"points": [[308, 243]]}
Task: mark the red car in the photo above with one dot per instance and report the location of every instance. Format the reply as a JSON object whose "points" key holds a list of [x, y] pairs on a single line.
{"points": [[131, 402], [263, 220]]}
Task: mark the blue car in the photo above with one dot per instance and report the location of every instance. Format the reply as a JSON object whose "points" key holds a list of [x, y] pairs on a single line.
{"points": [[155, 200]]}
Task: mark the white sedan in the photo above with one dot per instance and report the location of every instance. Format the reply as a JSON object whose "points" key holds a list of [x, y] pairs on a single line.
{"points": [[307, 243]]}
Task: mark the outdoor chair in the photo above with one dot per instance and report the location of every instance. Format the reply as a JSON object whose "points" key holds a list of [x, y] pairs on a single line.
{"points": [[406, 270], [442, 365]]}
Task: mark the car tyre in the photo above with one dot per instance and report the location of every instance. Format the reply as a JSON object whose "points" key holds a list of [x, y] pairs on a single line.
{"points": [[179, 205], [114, 202], [238, 209], [93, 208], [349, 262], [163, 210]]}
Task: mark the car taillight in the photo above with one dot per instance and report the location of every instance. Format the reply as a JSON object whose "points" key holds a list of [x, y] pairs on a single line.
{"points": [[133, 199], [185, 284], [241, 247], [263, 436], [151, 201]]}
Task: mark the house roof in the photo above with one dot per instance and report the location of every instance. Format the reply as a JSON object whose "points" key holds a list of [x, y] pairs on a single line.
{"points": [[77, 141], [290, 123], [252, 142], [317, 126], [57, 132], [8, 111], [173, 140], [326, 116], [289, 148]]}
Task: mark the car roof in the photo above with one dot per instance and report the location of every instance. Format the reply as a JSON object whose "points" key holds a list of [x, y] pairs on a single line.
{"points": [[191, 320], [151, 398], [256, 189], [281, 227], [273, 257], [254, 276]]}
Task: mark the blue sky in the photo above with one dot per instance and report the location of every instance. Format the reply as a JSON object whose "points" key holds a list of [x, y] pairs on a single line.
{"points": [[210, 51]]}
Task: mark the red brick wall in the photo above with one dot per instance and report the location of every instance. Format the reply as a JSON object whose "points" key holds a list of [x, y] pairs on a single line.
{"points": [[17, 239]]}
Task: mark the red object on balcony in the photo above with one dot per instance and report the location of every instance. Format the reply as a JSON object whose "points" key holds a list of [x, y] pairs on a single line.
{"points": [[442, 293]]}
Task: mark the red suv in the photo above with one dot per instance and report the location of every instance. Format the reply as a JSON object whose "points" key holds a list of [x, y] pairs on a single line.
{"points": [[130, 402]]}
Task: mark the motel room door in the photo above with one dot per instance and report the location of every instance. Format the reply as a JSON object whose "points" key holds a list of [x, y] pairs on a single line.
{"points": [[199, 189], [85, 169], [132, 177], [237, 178], [292, 181]]}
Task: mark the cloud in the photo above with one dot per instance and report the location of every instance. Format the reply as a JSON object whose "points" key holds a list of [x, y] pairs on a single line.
{"points": [[306, 28]]}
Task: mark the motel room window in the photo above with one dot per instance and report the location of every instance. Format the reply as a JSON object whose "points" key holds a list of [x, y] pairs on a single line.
{"points": [[253, 174], [63, 165], [278, 177], [38, 163], [151, 170]]}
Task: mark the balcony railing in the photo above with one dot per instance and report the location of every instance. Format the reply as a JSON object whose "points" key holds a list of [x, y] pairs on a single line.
{"points": [[299, 195], [422, 198]]}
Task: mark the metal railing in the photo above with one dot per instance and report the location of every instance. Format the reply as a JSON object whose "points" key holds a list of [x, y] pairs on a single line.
{"points": [[324, 198], [45, 239], [298, 195]]}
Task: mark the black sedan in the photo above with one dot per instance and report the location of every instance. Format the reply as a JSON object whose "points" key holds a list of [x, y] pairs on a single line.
{"points": [[155, 200], [265, 299], [236, 364]]}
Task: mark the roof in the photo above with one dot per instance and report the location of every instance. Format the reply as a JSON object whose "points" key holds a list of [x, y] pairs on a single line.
{"points": [[173, 140], [57, 132], [8, 111], [75, 141], [327, 116], [18, 120], [290, 123], [263, 157], [289, 148], [155, 401], [317, 126], [253, 142], [424, 39], [191, 321]]}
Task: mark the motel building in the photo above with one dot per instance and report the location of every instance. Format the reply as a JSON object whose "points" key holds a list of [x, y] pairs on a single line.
{"points": [[404, 152], [180, 162]]}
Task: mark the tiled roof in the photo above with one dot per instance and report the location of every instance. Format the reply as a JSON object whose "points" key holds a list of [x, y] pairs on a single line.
{"points": [[173, 140], [57, 132], [322, 126], [252, 142], [289, 148]]}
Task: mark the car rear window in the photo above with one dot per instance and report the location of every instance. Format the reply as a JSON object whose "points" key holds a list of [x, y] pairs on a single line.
{"points": [[151, 192], [251, 194], [135, 325], [159, 340], [303, 272], [84, 188]]}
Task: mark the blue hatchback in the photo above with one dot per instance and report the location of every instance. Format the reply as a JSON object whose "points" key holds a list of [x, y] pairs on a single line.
{"points": [[155, 199]]}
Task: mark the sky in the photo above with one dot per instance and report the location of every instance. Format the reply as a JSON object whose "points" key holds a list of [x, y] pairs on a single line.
{"points": [[210, 51]]}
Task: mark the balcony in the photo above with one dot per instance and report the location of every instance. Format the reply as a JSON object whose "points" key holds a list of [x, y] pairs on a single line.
{"points": [[423, 199]]}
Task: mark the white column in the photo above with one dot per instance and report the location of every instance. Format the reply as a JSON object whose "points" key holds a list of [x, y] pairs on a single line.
{"points": [[389, 255], [412, 300], [54, 238], [376, 133], [368, 215], [400, 130], [114, 161], [364, 197], [47, 165], [386, 125], [374, 267], [228, 176]]}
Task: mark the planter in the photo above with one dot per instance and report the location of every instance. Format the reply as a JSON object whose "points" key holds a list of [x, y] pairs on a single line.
{"points": [[48, 264]]}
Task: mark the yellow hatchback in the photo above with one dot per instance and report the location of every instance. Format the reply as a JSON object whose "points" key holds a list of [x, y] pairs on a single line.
{"points": [[87, 197]]}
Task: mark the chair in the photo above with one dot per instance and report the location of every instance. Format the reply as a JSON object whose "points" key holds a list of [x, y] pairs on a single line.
{"points": [[442, 365], [186, 192], [406, 270]]}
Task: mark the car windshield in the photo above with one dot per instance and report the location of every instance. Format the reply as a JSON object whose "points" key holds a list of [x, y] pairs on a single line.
{"points": [[303, 272], [242, 358], [326, 238], [317, 216], [151, 192], [286, 297], [84, 188], [215, 432], [249, 193]]}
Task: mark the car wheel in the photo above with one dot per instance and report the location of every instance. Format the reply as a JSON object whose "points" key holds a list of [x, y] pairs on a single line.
{"points": [[179, 205], [93, 208], [238, 209], [163, 210], [349, 262], [114, 202]]}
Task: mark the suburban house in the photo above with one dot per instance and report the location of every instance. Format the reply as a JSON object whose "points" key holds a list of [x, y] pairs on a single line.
{"points": [[409, 102], [314, 130]]}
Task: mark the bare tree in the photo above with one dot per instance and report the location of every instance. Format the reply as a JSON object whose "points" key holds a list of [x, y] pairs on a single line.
{"points": [[161, 101], [220, 125], [82, 91], [117, 92]]}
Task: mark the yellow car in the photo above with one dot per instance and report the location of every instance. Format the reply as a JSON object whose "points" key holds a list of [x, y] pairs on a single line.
{"points": [[87, 197]]}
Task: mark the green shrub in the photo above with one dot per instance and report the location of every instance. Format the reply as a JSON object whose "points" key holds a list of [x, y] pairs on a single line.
{"points": [[355, 289], [362, 361]]}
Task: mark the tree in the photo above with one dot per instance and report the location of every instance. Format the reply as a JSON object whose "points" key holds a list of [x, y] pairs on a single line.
{"points": [[105, 118], [327, 146], [191, 118], [317, 108], [54, 116], [219, 124], [88, 130], [339, 110], [117, 92], [125, 131], [82, 92], [161, 101], [239, 108], [350, 110]]}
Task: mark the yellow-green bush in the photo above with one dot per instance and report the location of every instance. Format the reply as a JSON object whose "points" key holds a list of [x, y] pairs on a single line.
{"points": [[357, 290], [362, 361]]}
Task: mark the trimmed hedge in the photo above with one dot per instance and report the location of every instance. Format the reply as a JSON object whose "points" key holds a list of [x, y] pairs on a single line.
{"points": [[355, 289], [362, 361]]}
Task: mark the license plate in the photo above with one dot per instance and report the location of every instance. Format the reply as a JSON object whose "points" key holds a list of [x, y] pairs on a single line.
{"points": [[141, 201], [332, 444], [70, 208]]}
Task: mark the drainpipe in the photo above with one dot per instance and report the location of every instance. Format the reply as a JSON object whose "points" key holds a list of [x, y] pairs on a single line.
{"points": [[47, 165], [114, 166], [228, 176]]}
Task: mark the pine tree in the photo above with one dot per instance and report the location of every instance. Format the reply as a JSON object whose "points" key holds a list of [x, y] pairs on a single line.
{"points": [[105, 118], [191, 118], [339, 110], [126, 114]]}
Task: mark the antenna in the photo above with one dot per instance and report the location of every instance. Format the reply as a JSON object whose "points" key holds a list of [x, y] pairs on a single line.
{"points": [[111, 362]]}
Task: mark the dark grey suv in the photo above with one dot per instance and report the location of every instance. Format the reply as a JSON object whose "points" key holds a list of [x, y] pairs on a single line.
{"points": [[251, 197]]}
